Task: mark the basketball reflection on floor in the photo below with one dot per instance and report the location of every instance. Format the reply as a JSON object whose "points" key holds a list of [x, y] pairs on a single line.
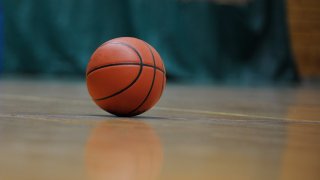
{"points": [[123, 149]]}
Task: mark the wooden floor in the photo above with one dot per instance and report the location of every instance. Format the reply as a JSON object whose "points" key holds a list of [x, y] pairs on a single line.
{"points": [[52, 130]]}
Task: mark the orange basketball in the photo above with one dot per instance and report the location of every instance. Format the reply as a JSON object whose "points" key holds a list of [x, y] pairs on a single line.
{"points": [[125, 76]]}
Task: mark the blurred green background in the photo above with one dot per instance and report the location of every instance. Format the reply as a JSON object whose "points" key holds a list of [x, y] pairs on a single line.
{"points": [[200, 41]]}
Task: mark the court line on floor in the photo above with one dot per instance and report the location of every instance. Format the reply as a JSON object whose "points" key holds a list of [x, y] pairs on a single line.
{"points": [[197, 111], [44, 118], [44, 99]]}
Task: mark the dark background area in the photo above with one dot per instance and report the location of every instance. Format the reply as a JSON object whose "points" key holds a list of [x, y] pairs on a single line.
{"points": [[199, 41]]}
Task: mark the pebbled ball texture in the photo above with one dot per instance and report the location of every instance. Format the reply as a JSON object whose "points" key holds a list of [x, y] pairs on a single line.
{"points": [[125, 76]]}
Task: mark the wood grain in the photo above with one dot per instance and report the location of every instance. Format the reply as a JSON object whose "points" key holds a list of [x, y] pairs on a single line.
{"points": [[52, 130]]}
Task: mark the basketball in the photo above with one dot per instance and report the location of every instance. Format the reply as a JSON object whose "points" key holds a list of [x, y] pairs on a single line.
{"points": [[125, 76]]}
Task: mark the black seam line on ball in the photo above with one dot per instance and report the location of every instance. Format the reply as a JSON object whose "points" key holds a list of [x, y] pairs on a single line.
{"points": [[152, 83], [134, 81], [121, 64], [162, 85]]}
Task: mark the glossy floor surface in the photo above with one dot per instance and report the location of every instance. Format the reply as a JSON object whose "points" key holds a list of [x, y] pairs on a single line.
{"points": [[52, 130]]}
